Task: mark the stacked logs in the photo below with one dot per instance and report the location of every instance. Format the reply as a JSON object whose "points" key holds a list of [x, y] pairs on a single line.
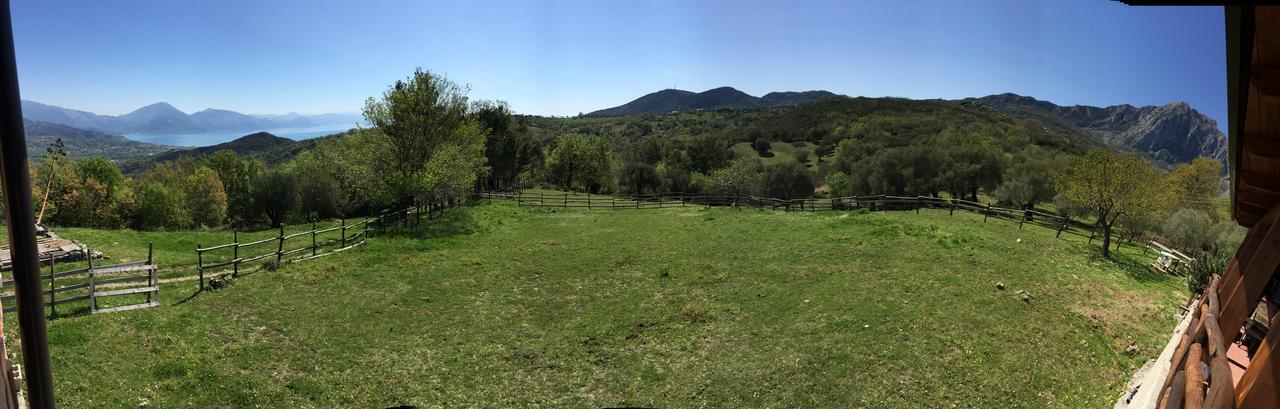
{"points": [[1199, 374]]}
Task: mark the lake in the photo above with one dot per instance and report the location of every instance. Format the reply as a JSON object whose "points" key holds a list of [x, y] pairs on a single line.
{"points": [[217, 137]]}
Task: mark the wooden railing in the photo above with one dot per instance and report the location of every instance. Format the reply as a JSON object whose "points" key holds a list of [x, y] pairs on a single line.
{"points": [[873, 203], [278, 247], [96, 282]]}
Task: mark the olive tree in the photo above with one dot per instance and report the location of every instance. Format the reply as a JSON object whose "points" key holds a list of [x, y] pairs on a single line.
{"points": [[1113, 185]]}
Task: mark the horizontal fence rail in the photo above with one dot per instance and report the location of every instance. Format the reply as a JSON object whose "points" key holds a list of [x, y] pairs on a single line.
{"points": [[872, 203], [226, 259], [96, 282]]}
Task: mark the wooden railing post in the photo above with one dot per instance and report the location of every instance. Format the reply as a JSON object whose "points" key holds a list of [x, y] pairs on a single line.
{"points": [[986, 213], [1062, 225], [235, 253], [53, 289], [93, 289], [313, 237], [152, 280], [280, 246], [200, 265], [344, 234]]}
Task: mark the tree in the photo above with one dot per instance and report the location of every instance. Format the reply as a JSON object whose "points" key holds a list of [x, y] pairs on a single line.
{"points": [[1015, 192], [275, 195], [318, 195], [762, 147], [638, 178], [788, 180], [578, 162], [1196, 184], [206, 199], [742, 177], [454, 168], [236, 172], [1111, 186], [509, 148], [1189, 229], [707, 153], [418, 117], [156, 207]]}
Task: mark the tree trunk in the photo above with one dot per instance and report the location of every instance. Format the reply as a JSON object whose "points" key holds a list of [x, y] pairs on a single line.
{"points": [[1106, 240]]}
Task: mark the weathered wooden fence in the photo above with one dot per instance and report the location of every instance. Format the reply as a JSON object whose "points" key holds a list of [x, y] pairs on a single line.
{"points": [[94, 283], [227, 259], [872, 203], [1199, 373]]}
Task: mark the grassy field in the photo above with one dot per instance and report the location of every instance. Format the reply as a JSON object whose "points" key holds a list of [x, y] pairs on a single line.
{"points": [[782, 152], [495, 305]]}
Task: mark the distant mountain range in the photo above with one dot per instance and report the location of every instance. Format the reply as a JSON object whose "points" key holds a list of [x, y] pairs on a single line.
{"points": [[1171, 133], [674, 100], [162, 118]]}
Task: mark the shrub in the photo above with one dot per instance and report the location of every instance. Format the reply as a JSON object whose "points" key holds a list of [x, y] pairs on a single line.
{"points": [[637, 177], [1199, 271], [802, 156]]}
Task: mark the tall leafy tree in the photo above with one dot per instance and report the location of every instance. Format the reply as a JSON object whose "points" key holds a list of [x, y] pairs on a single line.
{"points": [[1112, 186], [1197, 184], [275, 195], [419, 117], [236, 172]]}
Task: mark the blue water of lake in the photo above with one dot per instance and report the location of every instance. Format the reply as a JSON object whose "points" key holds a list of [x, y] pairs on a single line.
{"points": [[217, 137]]}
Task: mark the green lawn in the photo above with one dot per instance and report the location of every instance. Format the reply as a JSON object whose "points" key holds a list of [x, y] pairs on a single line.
{"points": [[500, 306]]}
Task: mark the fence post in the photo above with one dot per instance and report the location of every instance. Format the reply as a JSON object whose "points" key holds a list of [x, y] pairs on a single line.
{"points": [[152, 280], [952, 212], [344, 234], [986, 213], [588, 201], [93, 289], [1062, 225], [200, 265], [235, 253], [53, 294], [566, 200], [365, 235], [313, 237], [280, 246]]}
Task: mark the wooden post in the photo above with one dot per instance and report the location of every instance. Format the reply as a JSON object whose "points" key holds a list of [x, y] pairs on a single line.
{"points": [[53, 295], [152, 280], [200, 265], [280, 246], [235, 253], [952, 212], [365, 236], [986, 213], [344, 234], [566, 200], [1062, 225], [93, 289], [313, 237], [588, 201]]}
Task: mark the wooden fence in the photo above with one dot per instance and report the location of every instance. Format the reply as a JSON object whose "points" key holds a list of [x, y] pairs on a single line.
{"points": [[227, 258], [94, 283], [872, 203]]}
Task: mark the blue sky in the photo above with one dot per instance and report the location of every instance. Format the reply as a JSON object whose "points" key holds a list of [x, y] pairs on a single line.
{"points": [[566, 57]]}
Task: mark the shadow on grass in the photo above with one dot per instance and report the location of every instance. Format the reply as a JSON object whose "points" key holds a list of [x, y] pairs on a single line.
{"points": [[449, 222], [1131, 265]]}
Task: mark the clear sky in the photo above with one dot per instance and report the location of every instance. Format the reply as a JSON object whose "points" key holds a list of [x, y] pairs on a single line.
{"points": [[566, 57]]}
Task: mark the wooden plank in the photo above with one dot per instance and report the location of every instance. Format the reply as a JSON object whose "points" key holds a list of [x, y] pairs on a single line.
{"points": [[1254, 274], [1260, 385], [114, 280], [126, 291], [121, 268], [128, 307], [1177, 391], [218, 247], [1221, 393]]}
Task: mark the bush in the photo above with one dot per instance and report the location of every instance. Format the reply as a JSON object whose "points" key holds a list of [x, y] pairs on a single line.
{"points": [[802, 156], [1199, 271]]}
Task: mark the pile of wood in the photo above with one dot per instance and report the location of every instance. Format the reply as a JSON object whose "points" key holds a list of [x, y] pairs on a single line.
{"points": [[50, 245]]}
